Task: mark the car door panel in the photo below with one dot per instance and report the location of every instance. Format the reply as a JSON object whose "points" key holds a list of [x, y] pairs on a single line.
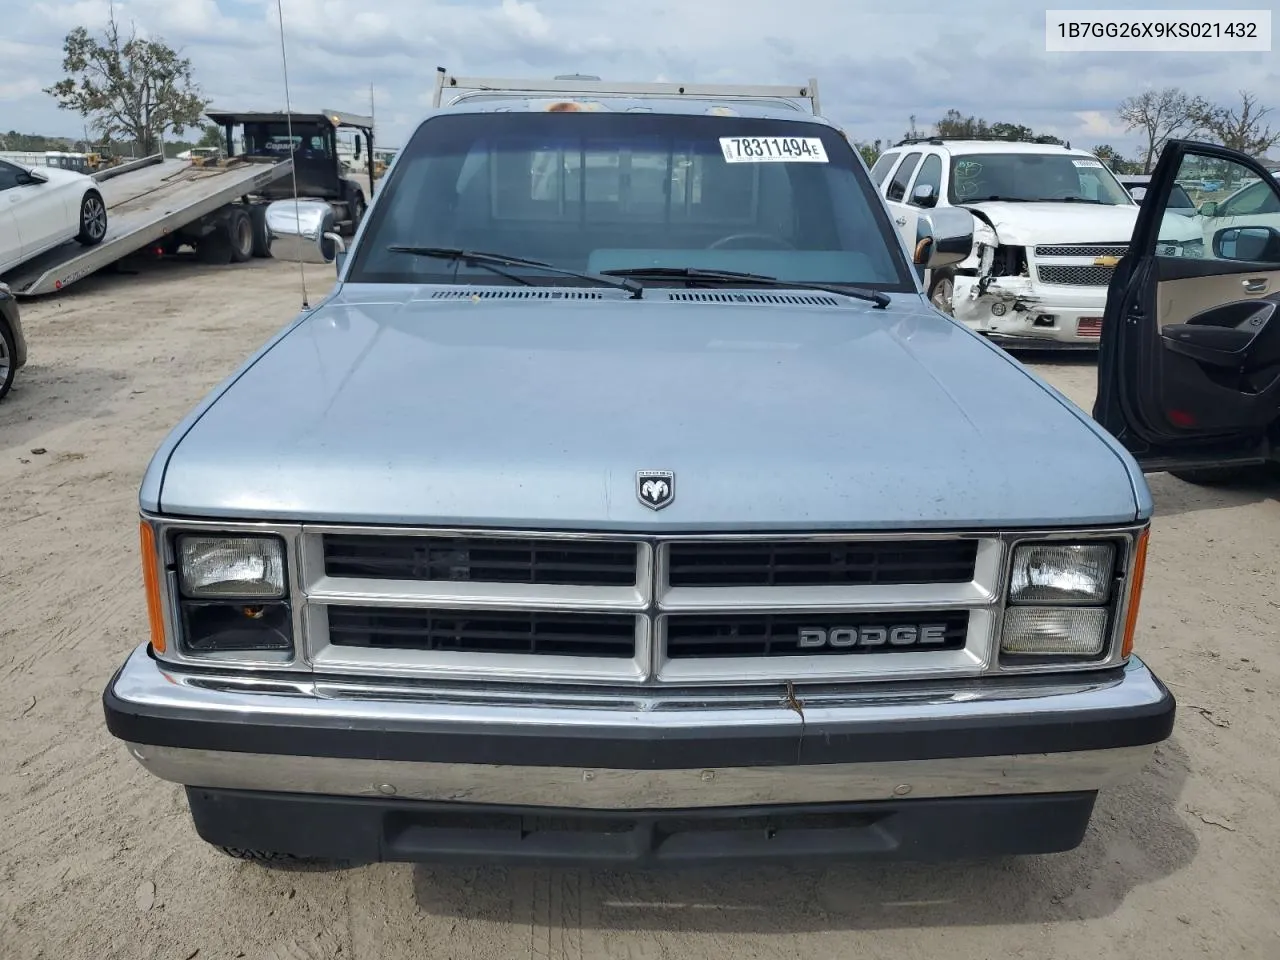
{"points": [[1189, 363], [10, 237], [1181, 296], [41, 210], [895, 194]]}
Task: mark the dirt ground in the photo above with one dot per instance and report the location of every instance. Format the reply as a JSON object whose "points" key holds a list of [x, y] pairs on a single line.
{"points": [[99, 860]]}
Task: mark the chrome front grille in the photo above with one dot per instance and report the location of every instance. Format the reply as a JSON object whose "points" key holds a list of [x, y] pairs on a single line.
{"points": [[615, 609]]}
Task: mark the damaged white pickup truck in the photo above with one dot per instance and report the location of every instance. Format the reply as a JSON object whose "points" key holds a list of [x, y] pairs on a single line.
{"points": [[1052, 223]]}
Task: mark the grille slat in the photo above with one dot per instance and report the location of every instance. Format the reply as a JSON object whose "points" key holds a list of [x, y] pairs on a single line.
{"points": [[778, 635], [1077, 276], [545, 634], [481, 560], [1083, 250], [843, 563]]}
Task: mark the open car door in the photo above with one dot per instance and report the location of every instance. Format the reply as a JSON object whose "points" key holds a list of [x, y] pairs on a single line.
{"points": [[1189, 359]]}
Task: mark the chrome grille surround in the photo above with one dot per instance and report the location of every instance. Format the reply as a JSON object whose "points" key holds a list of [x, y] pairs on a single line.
{"points": [[650, 600]]}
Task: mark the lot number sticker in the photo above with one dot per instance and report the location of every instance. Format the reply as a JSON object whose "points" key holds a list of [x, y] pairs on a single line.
{"points": [[773, 150], [1086, 163]]}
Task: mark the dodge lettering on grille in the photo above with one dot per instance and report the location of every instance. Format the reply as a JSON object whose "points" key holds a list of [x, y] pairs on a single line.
{"points": [[898, 635]]}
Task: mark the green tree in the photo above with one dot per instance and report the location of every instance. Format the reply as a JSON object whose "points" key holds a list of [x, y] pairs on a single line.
{"points": [[211, 135], [1108, 155], [130, 88], [870, 151], [956, 124], [1161, 115], [1239, 129]]}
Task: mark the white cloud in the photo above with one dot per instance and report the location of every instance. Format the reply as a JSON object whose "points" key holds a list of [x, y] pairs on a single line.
{"points": [[876, 68]]}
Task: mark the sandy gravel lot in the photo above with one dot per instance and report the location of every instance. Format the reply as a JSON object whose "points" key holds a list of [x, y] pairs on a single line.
{"points": [[98, 860]]}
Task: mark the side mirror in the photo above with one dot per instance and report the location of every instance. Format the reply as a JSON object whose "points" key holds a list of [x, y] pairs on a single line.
{"points": [[302, 230], [31, 177], [1253, 244], [924, 196], [340, 251], [1209, 208], [948, 238]]}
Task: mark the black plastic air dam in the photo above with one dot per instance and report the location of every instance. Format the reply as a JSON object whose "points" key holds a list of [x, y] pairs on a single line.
{"points": [[358, 830]]}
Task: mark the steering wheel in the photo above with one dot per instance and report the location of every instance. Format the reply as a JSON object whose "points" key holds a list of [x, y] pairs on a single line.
{"points": [[780, 243]]}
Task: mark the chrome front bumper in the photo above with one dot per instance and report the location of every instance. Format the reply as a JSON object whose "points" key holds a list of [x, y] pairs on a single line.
{"points": [[628, 751]]}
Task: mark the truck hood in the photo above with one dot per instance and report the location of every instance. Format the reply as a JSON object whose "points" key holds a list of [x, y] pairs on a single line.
{"points": [[1028, 224], [399, 409]]}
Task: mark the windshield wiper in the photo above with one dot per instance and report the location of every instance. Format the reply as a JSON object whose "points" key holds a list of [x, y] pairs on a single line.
{"points": [[995, 197], [496, 261], [698, 275], [1072, 200]]}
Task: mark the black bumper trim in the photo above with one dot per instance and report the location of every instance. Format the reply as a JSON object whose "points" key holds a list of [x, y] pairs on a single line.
{"points": [[359, 830], [641, 747]]}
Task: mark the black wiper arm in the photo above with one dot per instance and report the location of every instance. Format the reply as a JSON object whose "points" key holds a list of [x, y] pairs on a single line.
{"points": [[495, 261], [698, 275]]}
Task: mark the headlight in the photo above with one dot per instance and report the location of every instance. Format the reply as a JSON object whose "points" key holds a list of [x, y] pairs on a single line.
{"points": [[245, 567], [1061, 602], [1062, 573], [233, 597]]}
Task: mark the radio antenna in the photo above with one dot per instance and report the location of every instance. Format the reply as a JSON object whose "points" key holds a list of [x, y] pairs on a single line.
{"points": [[293, 150]]}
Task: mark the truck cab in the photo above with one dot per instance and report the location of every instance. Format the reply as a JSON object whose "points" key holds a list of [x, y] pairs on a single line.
{"points": [[311, 139]]}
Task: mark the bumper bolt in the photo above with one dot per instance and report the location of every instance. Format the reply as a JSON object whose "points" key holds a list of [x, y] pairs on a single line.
{"points": [[902, 789], [386, 788]]}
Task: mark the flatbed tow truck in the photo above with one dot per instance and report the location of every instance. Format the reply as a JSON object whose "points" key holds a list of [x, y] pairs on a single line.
{"points": [[148, 201], [219, 207]]}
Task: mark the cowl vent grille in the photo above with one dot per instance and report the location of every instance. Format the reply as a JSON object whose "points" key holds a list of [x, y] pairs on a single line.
{"points": [[518, 293], [795, 299]]}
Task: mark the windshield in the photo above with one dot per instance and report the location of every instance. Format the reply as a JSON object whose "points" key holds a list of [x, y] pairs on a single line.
{"points": [[597, 191], [274, 139], [1033, 176]]}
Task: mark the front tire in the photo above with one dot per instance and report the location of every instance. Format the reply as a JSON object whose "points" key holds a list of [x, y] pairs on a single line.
{"points": [[93, 219], [240, 235], [942, 291], [8, 359]]}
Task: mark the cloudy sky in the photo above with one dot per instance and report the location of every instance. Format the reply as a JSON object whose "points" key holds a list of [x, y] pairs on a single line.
{"points": [[877, 64]]}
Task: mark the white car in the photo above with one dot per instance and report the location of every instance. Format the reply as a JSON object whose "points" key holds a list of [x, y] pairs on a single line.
{"points": [[44, 207], [1252, 205], [1052, 224]]}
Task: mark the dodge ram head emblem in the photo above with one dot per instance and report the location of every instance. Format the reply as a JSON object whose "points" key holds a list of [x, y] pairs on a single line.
{"points": [[655, 488]]}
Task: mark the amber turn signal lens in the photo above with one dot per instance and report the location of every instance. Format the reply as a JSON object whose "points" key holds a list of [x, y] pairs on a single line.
{"points": [[151, 581], [1135, 591]]}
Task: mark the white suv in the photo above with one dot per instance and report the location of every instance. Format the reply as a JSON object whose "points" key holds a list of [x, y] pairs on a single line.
{"points": [[1052, 223]]}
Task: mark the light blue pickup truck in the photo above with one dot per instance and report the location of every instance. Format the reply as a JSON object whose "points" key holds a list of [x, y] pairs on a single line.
{"points": [[625, 501]]}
